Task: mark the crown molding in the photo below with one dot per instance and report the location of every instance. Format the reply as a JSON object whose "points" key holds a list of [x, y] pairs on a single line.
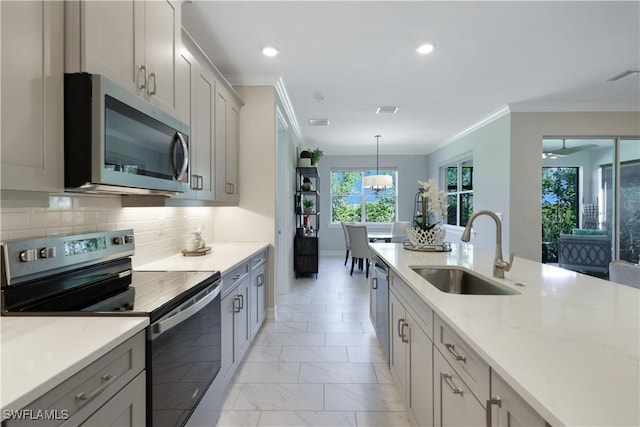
{"points": [[287, 106], [473, 127]]}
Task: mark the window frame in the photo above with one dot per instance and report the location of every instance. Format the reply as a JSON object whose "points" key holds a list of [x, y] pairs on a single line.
{"points": [[465, 162], [362, 193]]}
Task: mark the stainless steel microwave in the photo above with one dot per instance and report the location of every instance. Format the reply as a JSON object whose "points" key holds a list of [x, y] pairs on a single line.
{"points": [[116, 142]]}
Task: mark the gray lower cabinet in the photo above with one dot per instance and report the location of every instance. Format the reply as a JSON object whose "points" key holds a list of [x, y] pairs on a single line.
{"points": [[109, 391], [411, 354], [507, 408], [125, 409], [243, 310], [440, 378], [234, 319], [258, 297], [454, 403]]}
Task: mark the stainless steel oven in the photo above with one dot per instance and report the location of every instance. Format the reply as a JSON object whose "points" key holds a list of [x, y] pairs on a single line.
{"points": [[91, 274], [115, 142]]}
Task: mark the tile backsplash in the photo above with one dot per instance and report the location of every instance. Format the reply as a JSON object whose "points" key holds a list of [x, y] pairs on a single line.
{"points": [[159, 232]]}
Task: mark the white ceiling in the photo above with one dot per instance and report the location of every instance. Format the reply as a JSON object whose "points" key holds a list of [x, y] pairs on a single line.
{"points": [[529, 56]]}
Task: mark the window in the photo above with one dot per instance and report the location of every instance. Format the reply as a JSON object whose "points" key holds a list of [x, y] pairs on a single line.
{"points": [[459, 183], [559, 206], [349, 197]]}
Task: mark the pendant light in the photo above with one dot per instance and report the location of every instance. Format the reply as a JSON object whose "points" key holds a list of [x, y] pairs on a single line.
{"points": [[378, 182]]}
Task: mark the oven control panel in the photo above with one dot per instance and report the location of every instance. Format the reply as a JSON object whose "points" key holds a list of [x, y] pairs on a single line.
{"points": [[30, 259]]}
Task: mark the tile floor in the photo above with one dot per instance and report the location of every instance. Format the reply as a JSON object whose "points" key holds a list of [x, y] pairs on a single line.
{"points": [[319, 363]]}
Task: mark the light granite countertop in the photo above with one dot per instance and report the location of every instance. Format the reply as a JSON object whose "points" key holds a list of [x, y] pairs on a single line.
{"points": [[38, 353], [569, 344]]}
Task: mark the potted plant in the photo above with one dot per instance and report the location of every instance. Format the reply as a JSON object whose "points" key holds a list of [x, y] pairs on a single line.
{"points": [[305, 159], [306, 184], [430, 201], [308, 206], [315, 156]]}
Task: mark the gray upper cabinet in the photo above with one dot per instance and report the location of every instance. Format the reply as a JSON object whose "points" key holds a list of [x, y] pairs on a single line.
{"points": [[133, 43], [31, 124]]}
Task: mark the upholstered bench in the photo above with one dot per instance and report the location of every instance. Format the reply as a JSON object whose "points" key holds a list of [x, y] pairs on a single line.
{"points": [[589, 254]]}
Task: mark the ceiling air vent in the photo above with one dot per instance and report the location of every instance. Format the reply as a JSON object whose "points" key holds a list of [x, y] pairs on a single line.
{"points": [[622, 75], [387, 109], [318, 122]]}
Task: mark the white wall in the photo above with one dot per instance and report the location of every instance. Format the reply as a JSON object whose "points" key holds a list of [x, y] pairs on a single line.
{"points": [[410, 170], [489, 146]]}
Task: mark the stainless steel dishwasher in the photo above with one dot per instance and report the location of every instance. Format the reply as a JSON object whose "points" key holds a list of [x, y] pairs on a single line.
{"points": [[380, 285]]}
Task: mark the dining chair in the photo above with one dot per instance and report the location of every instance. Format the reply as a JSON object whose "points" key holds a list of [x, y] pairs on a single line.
{"points": [[399, 231], [347, 242], [360, 249]]}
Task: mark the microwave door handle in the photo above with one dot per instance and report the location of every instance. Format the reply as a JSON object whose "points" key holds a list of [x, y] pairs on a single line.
{"points": [[185, 159], [163, 326]]}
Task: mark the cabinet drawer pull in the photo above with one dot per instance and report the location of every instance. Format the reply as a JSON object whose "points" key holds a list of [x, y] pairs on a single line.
{"points": [[493, 401], [105, 382], [404, 337], [452, 350], [449, 380], [237, 276], [374, 283]]}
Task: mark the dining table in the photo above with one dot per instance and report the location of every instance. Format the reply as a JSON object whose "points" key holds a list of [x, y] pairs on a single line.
{"points": [[379, 237]]}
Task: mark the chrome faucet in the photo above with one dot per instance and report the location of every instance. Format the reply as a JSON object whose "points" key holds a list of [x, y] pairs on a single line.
{"points": [[499, 265]]}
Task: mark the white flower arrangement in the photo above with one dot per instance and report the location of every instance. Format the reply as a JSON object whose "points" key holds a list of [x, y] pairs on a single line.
{"points": [[434, 201]]}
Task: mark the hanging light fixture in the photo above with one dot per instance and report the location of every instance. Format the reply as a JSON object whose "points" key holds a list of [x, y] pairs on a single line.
{"points": [[378, 182]]}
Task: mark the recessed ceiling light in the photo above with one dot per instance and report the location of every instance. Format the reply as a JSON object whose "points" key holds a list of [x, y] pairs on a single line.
{"points": [[387, 109], [318, 122], [270, 51], [426, 48]]}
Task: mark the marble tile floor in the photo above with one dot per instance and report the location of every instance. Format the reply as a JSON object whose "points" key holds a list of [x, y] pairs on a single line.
{"points": [[319, 363]]}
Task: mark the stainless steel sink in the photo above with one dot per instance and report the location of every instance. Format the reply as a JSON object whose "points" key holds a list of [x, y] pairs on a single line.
{"points": [[459, 281]]}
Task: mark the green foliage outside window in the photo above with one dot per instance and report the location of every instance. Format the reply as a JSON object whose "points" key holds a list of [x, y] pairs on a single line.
{"points": [[348, 198], [559, 205]]}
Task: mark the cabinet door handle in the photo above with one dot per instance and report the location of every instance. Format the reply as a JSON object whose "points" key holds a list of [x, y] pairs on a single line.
{"points": [[142, 67], [452, 350], [449, 380], [105, 381], [238, 308], [374, 283], [260, 279], [400, 322], [241, 302], [155, 84], [404, 337], [493, 401]]}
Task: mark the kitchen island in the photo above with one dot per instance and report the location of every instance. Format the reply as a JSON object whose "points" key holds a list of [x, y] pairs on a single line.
{"points": [[567, 343]]}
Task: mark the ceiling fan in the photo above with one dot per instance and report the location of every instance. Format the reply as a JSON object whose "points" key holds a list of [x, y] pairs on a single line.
{"points": [[564, 151]]}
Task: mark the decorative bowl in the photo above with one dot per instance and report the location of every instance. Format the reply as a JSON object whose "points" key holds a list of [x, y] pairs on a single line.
{"points": [[422, 239]]}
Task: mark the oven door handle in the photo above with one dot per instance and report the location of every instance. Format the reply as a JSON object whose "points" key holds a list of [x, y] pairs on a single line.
{"points": [[180, 316]]}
